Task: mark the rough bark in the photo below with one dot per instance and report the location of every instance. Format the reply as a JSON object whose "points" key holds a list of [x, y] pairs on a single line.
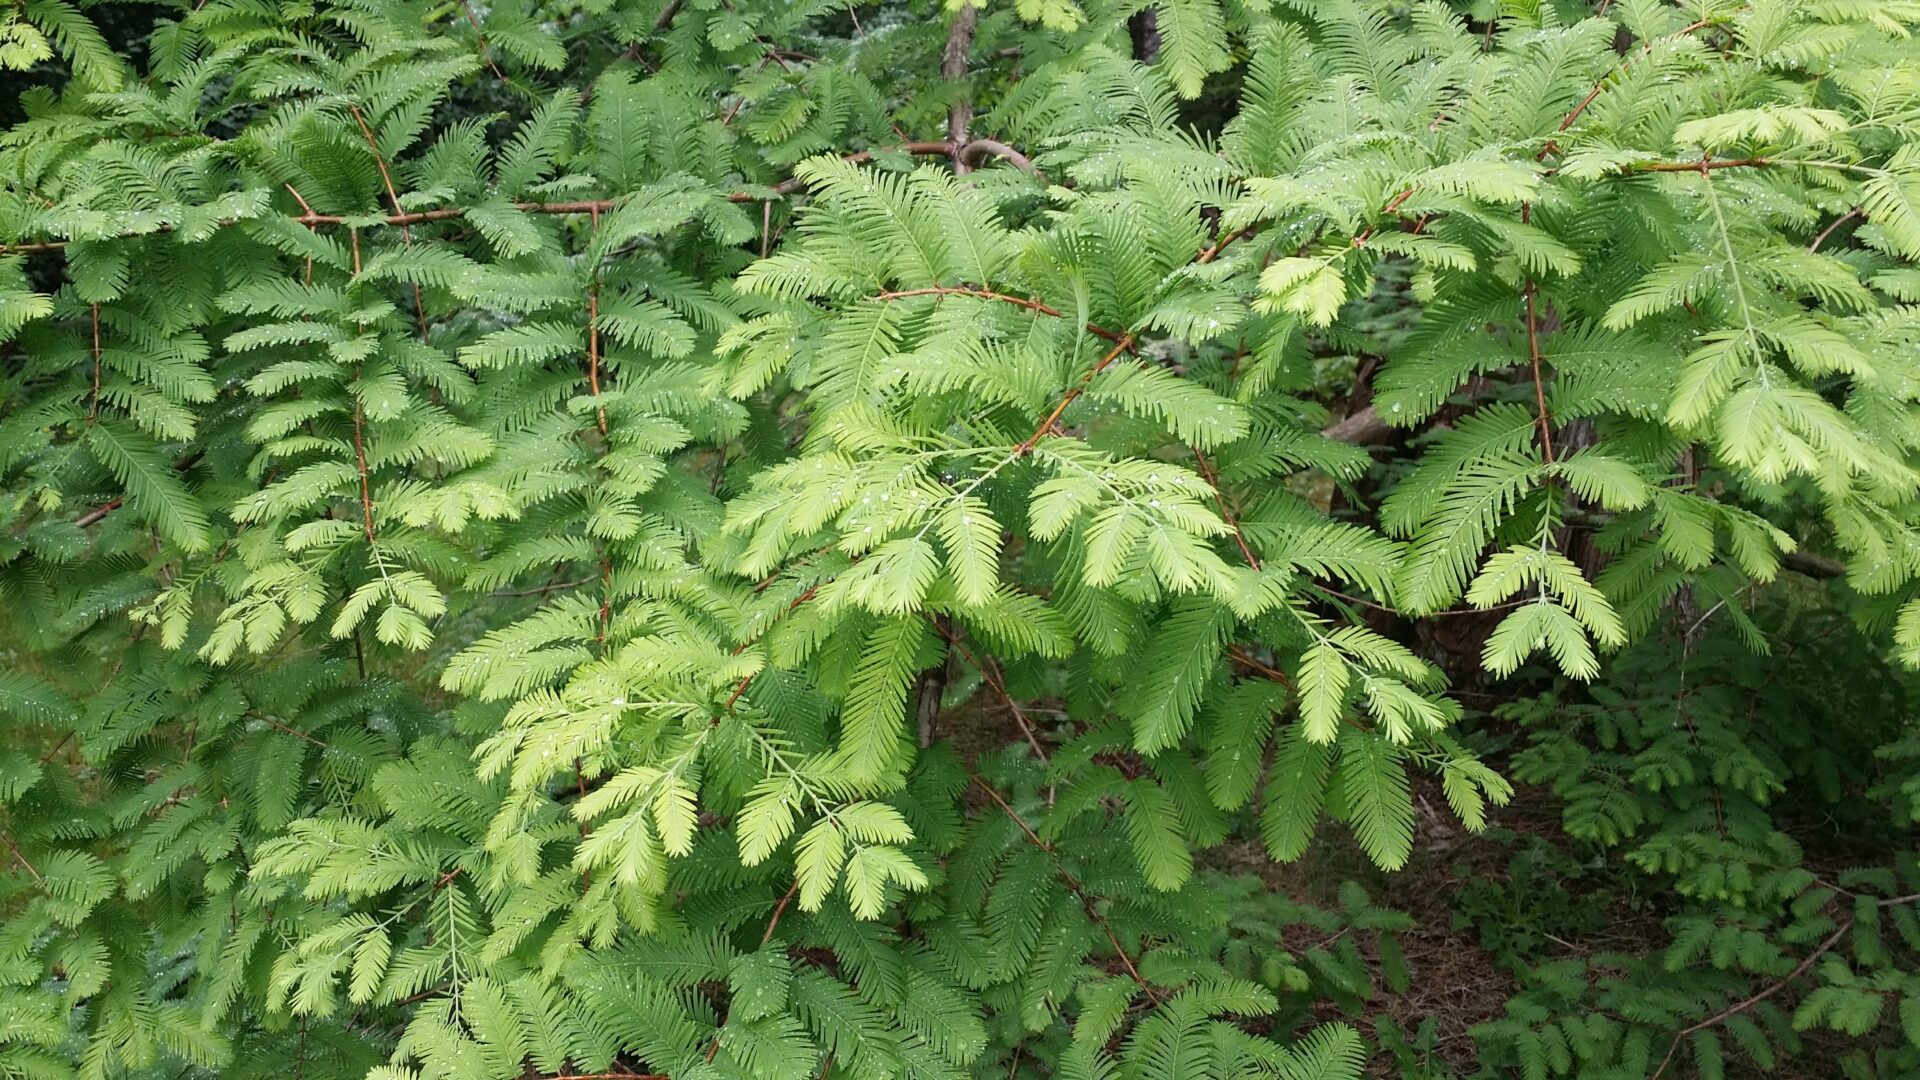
{"points": [[953, 65]]}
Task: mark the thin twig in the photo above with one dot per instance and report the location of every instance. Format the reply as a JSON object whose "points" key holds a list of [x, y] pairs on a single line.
{"points": [[1122, 343], [485, 53], [1226, 512], [988, 294], [1774, 987], [97, 514], [1742, 1006], [1207, 255], [1392, 205], [393, 196], [973, 151], [1242, 657], [580, 785], [1618, 69], [997, 683], [59, 746], [1829, 230], [1026, 446], [1703, 165], [93, 403], [593, 332], [295, 732], [1539, 382], [1073, 884], [94, 516], [741, 687], [307, 216], [359, 438], [1447, 614], [22, 857], [542, 590], [779, 910]]}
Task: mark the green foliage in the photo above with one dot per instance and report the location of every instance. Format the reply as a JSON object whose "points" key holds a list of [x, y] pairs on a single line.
{"points": [[577, 540], [1696, 799]]}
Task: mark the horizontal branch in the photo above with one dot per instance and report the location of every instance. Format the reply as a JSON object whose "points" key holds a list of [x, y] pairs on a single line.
{"points": [[970, 152], [1362, 428], [988, 294], [1703, 165], [1813, 566], [977, 149]]}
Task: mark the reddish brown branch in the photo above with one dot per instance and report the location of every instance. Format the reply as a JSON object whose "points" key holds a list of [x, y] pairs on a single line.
{"points": [[485, 53], [606, 601], [779, 910], [580, 784], [1701, 166], [977, 149], [21, 856], [1831, 229], [1600, 86], [542, 590], [307, 216], [305, 207], [295, 732], [593, 335], [1026, 446], [93, 403], [1207, 255], [1226, 512], [741, 687], [1073, 884], [1242, 657], [1392, 205], [95, 515], [982, 294], [1773, 988], [380, 160], [393, 196], [1533, 357], [360, 454], [988, 294], [990, 674], [64, 739], [359, 425]]}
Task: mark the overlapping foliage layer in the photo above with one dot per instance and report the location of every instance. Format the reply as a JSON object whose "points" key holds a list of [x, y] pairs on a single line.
{"points": [[735, 538]]}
